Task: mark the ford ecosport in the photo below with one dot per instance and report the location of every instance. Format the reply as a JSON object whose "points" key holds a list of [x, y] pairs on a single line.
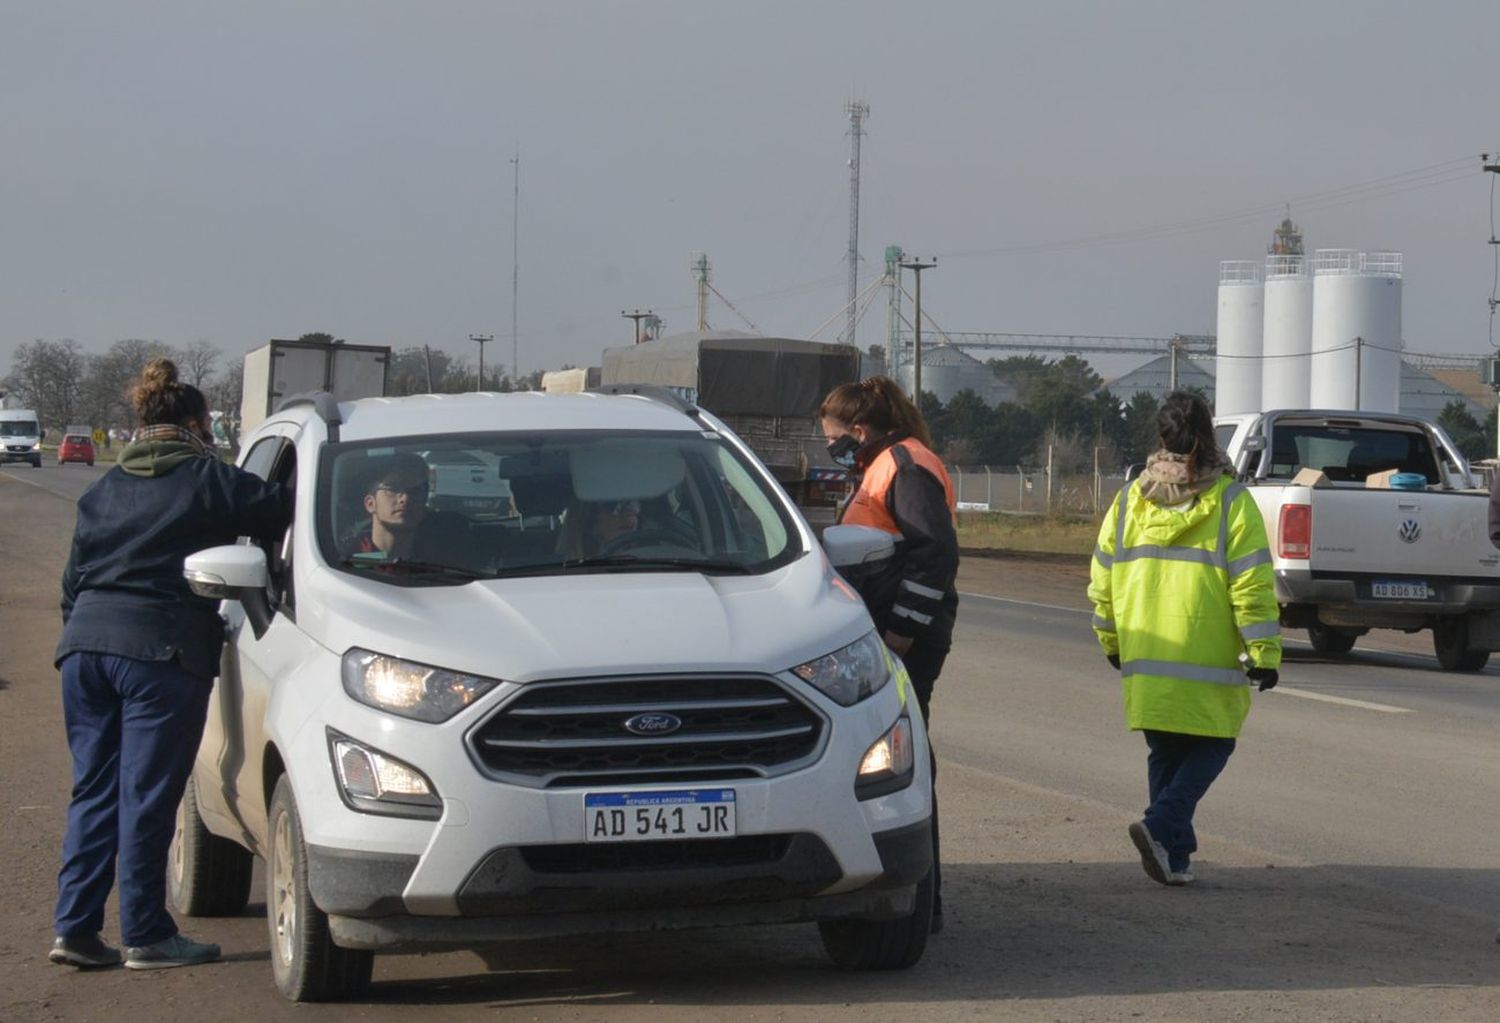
{"points": [[624, 687]]}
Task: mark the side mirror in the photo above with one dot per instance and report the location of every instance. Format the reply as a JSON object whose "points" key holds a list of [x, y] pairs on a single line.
{"points": [[851, 546], [226, 573], [1133, 470]]}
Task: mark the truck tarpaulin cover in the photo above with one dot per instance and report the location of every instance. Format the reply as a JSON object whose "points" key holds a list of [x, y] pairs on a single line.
{"points": [[738, 374]]}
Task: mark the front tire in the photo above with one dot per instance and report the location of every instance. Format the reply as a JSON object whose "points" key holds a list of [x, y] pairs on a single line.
{"points": [[206, 875], [305, 963], [1450, 641], [1330, 641], [857, 944]]}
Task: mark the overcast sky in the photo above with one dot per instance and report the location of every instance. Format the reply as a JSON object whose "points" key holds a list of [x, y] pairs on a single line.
{"points": [[241, 171]]}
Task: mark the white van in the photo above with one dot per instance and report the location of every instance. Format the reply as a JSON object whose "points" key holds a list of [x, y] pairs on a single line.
{"points": [[20, 437], [691, 723]]}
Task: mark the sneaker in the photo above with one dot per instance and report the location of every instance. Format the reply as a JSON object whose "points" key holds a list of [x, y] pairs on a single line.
{"points": [[1180, 877], [178, 950], [87, 952], [1153, 853]]}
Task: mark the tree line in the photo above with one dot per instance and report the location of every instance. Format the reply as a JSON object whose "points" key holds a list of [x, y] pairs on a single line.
{"points": [[66, 385]]}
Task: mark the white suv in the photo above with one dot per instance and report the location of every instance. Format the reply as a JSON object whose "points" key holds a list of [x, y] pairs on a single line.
{"points": [[502, 735]]}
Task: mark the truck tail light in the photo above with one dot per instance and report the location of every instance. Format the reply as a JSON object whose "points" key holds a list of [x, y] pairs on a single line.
{"points": [[1294, 535]]}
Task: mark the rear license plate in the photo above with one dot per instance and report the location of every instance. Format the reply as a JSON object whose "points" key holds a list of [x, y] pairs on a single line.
{"points": [[1407, 590], [647, 816]]}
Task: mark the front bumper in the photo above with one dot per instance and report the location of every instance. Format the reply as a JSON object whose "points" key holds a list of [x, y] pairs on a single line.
{"points": [[510, 861], [507, 898]]}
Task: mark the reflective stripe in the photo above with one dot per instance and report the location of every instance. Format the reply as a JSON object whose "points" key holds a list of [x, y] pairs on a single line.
{"points": [[1261, 630], [1120, 506], [1226, 501], [1249, 561], [1190, 672], [1104, 624], [1105, 560], [922, 591], [906, 612], [1151, 550]]}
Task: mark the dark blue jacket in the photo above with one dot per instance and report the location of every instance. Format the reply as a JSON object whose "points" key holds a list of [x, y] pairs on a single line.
{"points": [[123, 590]]}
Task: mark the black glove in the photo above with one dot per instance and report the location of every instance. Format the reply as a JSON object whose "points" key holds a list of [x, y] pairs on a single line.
{"points": [[1114, 660], [1267, 677]]}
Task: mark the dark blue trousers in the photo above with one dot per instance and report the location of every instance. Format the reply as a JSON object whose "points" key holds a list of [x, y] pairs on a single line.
{"points": [[1179, 770], [133, 728]]}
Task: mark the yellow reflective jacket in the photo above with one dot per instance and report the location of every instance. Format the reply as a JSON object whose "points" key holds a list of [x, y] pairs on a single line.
{"points": [[1178, 594]]}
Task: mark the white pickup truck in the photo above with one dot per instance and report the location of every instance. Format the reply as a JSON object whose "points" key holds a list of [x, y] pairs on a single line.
{"points": [[1351, 557]]}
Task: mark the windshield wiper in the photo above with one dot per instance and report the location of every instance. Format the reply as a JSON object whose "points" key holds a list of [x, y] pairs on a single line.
{"points": [[409, 566], [631, 561]]}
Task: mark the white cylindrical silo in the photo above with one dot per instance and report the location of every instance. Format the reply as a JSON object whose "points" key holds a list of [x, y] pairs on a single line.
{"points": [[1241, 308], [1356, 337], [1287, 348]]}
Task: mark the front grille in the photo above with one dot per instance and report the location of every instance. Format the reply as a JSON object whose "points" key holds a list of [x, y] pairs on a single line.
{"points": [[670, 855], [573, 733]]}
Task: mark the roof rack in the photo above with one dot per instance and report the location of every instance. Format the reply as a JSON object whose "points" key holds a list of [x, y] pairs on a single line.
{"points": [[324, 404], [655, 392]]}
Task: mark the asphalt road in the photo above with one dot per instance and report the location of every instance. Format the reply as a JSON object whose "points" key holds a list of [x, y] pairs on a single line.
{"points": [[1348, 868]]}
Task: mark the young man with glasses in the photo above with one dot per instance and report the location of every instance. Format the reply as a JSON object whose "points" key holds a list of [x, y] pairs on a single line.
{"points": [[396, 500]]}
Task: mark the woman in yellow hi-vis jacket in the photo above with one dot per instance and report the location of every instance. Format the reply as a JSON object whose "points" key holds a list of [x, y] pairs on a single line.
{"points": [[1185, 608]]}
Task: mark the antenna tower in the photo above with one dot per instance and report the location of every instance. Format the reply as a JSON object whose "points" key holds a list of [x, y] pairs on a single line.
{"points": [[857, 113]]}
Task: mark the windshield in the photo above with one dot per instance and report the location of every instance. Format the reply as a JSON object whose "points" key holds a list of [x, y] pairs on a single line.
{"points": [[18, 428], [449, 508]]}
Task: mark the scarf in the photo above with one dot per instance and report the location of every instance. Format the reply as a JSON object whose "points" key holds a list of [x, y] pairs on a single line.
{"points": [[1169, 480]]}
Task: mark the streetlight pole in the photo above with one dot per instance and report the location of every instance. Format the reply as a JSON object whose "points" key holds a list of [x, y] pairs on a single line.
{"points": [[637, 316], [482, 340], [916, 266]]}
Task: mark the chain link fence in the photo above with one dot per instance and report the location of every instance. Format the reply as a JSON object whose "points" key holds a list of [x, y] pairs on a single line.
{"points": [[1028, 490]]}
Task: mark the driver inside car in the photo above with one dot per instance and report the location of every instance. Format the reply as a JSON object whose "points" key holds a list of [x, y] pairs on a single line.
{"points": [[590, 526]]}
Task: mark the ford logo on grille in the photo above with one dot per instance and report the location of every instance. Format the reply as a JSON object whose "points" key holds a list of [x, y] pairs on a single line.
{"points": [[1409, 530], [653, 724]]}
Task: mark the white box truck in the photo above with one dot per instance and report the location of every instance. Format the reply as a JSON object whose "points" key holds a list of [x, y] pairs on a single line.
{"points": [[280, 369], [20, 437]]}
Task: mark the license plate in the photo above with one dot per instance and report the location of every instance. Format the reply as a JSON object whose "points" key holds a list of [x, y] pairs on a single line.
{"points": [[1409, 590], [648, 816]]}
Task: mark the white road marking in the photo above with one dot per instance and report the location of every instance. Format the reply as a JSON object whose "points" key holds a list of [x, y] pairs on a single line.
{"points": [[1025, 603], [1343, 701]]}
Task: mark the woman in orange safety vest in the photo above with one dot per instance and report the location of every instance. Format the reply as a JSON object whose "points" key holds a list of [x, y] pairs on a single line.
{"points": [[876, 432]]}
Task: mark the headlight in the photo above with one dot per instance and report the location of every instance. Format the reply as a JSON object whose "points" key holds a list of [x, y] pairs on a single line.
{"points": [[887, 765], [854, 673], [376, 782], [409, 689]]}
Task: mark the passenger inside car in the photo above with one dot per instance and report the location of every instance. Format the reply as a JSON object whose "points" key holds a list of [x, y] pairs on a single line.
{"points": [[400, 525]]}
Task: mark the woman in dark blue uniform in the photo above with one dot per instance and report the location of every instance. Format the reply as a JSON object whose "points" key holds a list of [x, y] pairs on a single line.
{"points": [[138, 655]]}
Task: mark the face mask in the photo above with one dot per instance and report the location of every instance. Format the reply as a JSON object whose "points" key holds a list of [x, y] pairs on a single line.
{"points": [[842, 451]]}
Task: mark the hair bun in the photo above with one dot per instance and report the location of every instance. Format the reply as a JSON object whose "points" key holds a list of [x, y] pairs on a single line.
{"points": [[159, 373]]}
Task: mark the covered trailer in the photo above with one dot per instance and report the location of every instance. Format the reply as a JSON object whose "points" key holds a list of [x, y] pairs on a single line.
{"points": [[280, 369], [767, 389]]}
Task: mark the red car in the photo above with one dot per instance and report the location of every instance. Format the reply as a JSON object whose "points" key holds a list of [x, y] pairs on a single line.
{"points": [[75, 447]]}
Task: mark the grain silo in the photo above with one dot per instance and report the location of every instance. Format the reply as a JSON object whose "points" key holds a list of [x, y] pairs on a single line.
{"points": [[1241, 308], [1356, 333], [1287, 348]]}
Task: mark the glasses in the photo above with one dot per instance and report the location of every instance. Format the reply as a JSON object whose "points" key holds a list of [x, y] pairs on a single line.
{"points": [[417, 491], [623, 508]]}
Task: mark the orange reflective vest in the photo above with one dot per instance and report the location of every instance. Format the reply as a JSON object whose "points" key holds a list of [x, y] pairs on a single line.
{"points": [[870, 505]]}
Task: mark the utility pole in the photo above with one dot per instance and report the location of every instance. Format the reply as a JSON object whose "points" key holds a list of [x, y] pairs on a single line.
{"points": [[1173, 348], [857, 113], [482, 340], [1491, 164], [701, 275], [515, 263], [1359, 351], [638, 316], [916, 266]]}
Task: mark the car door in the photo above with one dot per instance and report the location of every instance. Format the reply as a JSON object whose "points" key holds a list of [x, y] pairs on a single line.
{"points": [[235, 740]]}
